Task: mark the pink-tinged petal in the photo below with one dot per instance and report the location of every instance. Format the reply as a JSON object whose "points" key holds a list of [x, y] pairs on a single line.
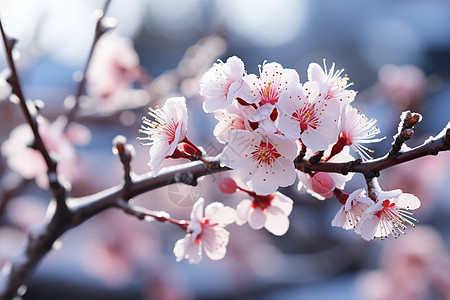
{"points": [[358, 193], [283, 202], [187, 248], [262, 182], [289, 127], [215, 243], [284, 172], [367, 227], [243, 211], [156, 157], [408, 201], [340, 219], [316, 73], [78, 134], [249, 92], [277, 224], [220, 84], [319, 140], [257, 218], [219, 214], [197, 210], [262, 112]]}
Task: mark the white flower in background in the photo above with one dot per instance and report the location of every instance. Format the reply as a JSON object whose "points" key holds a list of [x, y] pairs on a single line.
{"points": [[5, 88], [113, 69], [29, 163], [264, 160], [352, 210], [332, 85], [357, 129], [265, 90], [269, 211], [206, 232], [389, 215], [305, 115], [220, 84], [165, 130]]}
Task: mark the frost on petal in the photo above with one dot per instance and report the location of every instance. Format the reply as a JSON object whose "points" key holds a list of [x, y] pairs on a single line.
{"points": [[243, 210], [257, 218], [277, 224]]}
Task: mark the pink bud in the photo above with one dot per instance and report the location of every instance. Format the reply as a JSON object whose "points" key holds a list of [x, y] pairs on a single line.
{"points": [[323, 184], [228, 185]]}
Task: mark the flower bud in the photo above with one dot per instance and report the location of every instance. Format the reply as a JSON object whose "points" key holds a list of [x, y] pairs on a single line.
{"points": [[227, 185], [323, 184]]}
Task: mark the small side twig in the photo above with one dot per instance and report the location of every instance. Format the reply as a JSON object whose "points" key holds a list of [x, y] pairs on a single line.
{"points": [[405, 131], [100, 29]]}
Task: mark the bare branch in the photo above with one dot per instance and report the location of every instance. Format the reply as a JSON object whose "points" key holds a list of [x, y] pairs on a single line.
{"points": [[432, 146], [99, 31]]}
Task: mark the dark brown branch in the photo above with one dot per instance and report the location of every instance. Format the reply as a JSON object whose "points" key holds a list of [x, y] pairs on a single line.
{"points": [[371, 169], [81, 209], [58, 190]]}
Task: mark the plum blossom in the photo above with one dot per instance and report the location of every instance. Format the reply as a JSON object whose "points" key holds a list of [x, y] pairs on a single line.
{"points": [[357, 129], [389, 215], [221, 83], [332, 85], [264, 160], [264, 91], [29, 163], [352, 209], [269, 211], [206, 232], [113, 69], [305, 115], [230, 118], [166, 129]]}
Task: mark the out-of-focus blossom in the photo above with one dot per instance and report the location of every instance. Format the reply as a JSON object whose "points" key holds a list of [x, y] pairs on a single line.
{"points": [[29, 163], [166, 129], [5, 88], [221, 83], [305, 115], [113, 69], [416, 266], [269, 211], [206, 232], [389, 215], [352, 210], [332, 86], [402, 85], [264, 160]]}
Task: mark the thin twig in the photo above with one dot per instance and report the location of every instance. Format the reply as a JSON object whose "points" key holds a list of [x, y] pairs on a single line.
{"points": [[99, 31]]}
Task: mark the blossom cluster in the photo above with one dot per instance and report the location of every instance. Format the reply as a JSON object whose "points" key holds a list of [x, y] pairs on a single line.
{"points": [[266, 122]]}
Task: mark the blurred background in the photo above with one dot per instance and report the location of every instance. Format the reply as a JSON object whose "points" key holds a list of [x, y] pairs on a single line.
{"points": [[396, 52]]}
